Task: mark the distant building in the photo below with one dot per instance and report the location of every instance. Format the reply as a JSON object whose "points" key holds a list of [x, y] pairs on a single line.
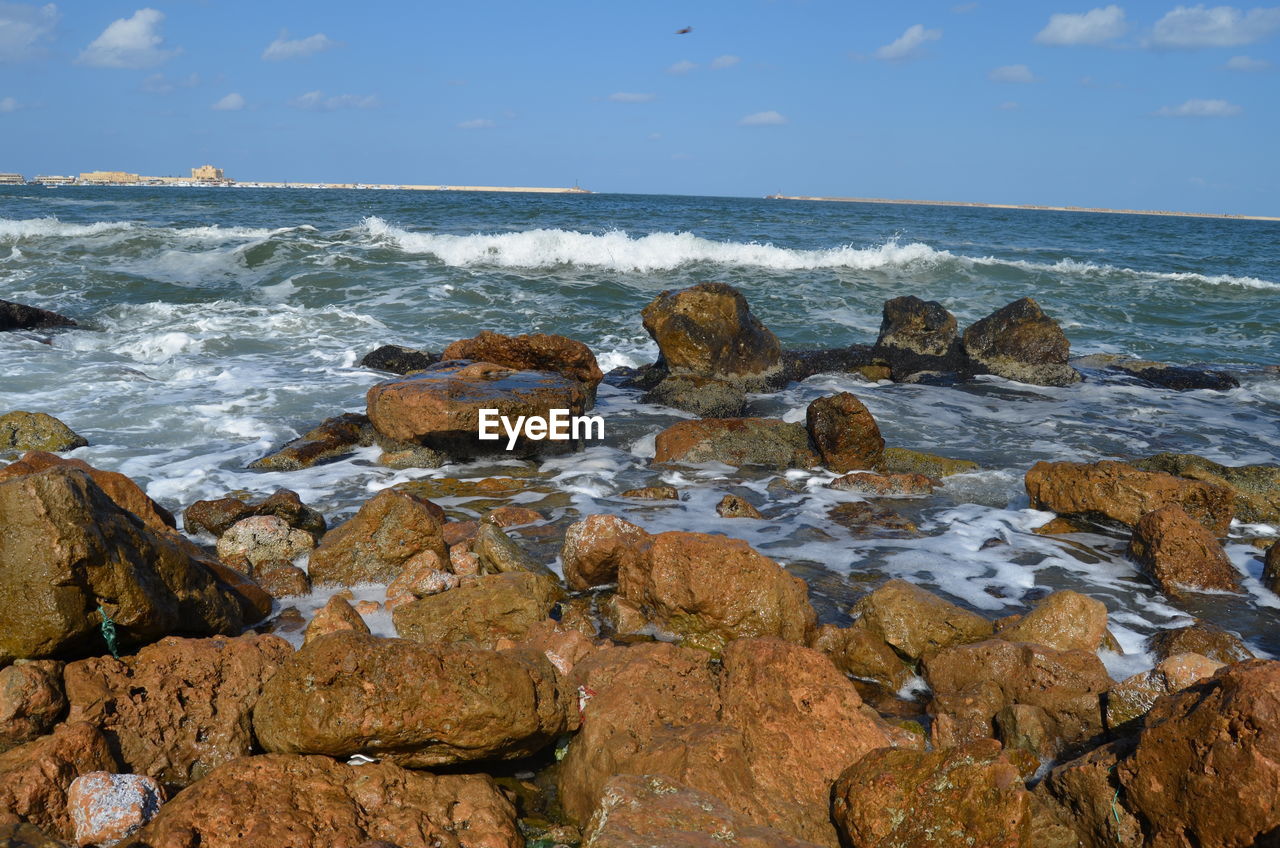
{"points": [[208, 172], [12, 179], [108, 177], [52, 179]]}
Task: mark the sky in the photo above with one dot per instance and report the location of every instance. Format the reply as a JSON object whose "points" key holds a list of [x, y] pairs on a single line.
{"points": [[1150, 105]]}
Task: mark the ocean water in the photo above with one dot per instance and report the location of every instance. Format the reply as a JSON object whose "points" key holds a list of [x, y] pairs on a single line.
{"points": [[218, 324]]}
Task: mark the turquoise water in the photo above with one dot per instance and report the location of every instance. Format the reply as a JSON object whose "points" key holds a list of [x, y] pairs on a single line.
{"points": [[219, 323]]}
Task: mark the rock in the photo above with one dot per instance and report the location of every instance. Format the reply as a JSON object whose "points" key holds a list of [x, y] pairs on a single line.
{"points": [[412, 457], [27, 836], [710, 590], [482, 611], [1199, 638], [1119, 493], [499, 554], [398, 359], [422, 576], [917, 335], [1271, 568], [107, 808], [217, 517], [17, 316], [1019, 342], [334, 437], [1134, 696], [513, 516], [35, 777], [283, 581], [417, 705], [1086, 793], [705, 397], [314, 802], [883, 485], [916, 622], [68, 549], [262, 540], [903, 461], [733, 506], [1064, 621], [37, 431], [125, 493], [597, 546], [862, 654], [337, 614], [972, 683], [180, 707], [373, 546], [533, 352], [641, 811], [800, 365], [31, 700], [1178, 553], [440, 408], [844, 433], [708, 330], [652, 493], [770, 442], [1256, 487], [1179, 377], [866, 519]]}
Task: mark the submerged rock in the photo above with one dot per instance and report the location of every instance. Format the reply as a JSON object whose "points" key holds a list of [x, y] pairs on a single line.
{"points": [[705, 397], [533, 352], [1019, 342], [903, 461], [1256, 487], [37, 431], [734, 506], [1178, 553], [17, 316], [917, 335], [1199, 638], [799, 365], [1163, 374], [398, 359], [770, 442], [883, 485], [844, 433]]}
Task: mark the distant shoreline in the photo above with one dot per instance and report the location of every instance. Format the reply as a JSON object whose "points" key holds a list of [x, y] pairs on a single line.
{"points": [[1022, 206], [174, 183]]}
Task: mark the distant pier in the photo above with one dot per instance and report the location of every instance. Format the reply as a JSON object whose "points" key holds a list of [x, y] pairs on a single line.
{"points": [[968, 205]]}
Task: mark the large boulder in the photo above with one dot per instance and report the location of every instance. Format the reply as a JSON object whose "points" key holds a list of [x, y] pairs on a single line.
{"points": [[418, 705], [1178, 553], [126, 494], [1133, 697], [770, 442], [845, 434], [18, 316], [1064, 620], [180, 707], [1019, 342], [315, 802], [862, 654], [596, 547], [35, 777], [37, 431], [1256, 487], [533, 352], [32, 700], [482, 611], [917, 335], [374, 545], [708, 330], [1118, 493], [915, 622], [1198, 638], [261, 541], [217, 516], [68, 551]]}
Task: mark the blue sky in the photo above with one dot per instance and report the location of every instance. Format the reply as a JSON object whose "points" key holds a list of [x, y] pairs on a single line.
{"points": [[1135, 105]]}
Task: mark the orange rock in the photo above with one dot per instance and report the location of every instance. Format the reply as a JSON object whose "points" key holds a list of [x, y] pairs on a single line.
{"points": [[1178, 553], [845, 434], [459, 532], [733, 506], [883, 484], [533, 352], [770, 442], [31, 700], [597, 546], [336, 615], [1064, 620], [127, 494], [512, 516], [389, 529], [914, 621], [35, 777], [106, 808]]}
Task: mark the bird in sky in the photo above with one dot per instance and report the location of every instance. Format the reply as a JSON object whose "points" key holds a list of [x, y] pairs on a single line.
{"points": [[684, 31]]}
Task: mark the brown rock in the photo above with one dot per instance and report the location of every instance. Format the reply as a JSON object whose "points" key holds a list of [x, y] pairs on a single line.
{"points": [[1199, 638], [1132, 697], [705, 397], [513, 516], [106, 808], [27, 836], [260, 540], [217, 516], [859, 652], [398, 359], [882, 485], [31, 700], [281, 580], [1019, 342], [460, 532], [903, 461], [1086, 793], [498, 554], [419, 705], [35, 777], [1178, 553], [1065, 621], [708, 330], [423, 575], [917, 335], [597, 546], [653, 493], [1256, 487], [337, 614], [866, 519], [373, 546], [1271, 568], [125, 493], [37, 431], [180, 707], [533, 352], [333, 438], [733, 506], [482, 611], [845, 434], [770, 442], [1057, 526], [562, 645], [916, 622], [314, 802], [1114, 491]]}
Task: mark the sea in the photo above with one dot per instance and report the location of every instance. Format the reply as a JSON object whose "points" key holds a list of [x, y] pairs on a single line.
{"points": [[218, 323]]}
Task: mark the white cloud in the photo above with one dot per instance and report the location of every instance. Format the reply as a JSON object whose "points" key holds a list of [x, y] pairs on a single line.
{"points": [[1221, 26], [1246, 63], [1201, 109], [1093, 27], [632, 97], [129, 43], [763, 119], [907, 45], [282, 48], [23, 29], [684, 66], [316, 101], [477, 124], [1009, 106], [233, 102], [725, 61], [9, 104], [1011, 73]]}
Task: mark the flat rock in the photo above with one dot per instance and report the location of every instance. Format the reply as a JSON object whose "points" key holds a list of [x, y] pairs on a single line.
{"points": [[533, 352], [332, 438], [706, 397], [768, 442], [1256, 487], [482, 611]]}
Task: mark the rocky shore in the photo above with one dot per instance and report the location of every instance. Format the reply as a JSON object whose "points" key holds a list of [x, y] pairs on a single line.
{"points": [[584, 680]]}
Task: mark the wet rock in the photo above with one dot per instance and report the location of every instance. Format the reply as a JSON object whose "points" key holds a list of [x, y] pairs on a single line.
{"points": [[917, 335], [1199, 638], [903, 461], [35, 777], [315, 802], [217, 516], [27, 836], [69, 549], [373, 546], [705, 397], [710, 590], [1256, 487], [865, 519], [844, 433], [125, 493], [424, 575], [1134, 696], [334, 437], [1019, 342], [18, 316], [1179, 377], [597, 546], [37, 431], [180, 707], [417, 705], [862, 654], [262, 540], [500, 555], [770, 442], [883, 485], [708, 330], [799, 365], [652, 493], [916, 622], [1086, 794], [972, 683], [533, 352], [512, 516], [281, 581], [1065, 621], [337, 614], [107, 808], [398, 359], [733, 506], [1116, 492], [1271, 568], [1179, 554], [31, 700], [482, 611]]}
